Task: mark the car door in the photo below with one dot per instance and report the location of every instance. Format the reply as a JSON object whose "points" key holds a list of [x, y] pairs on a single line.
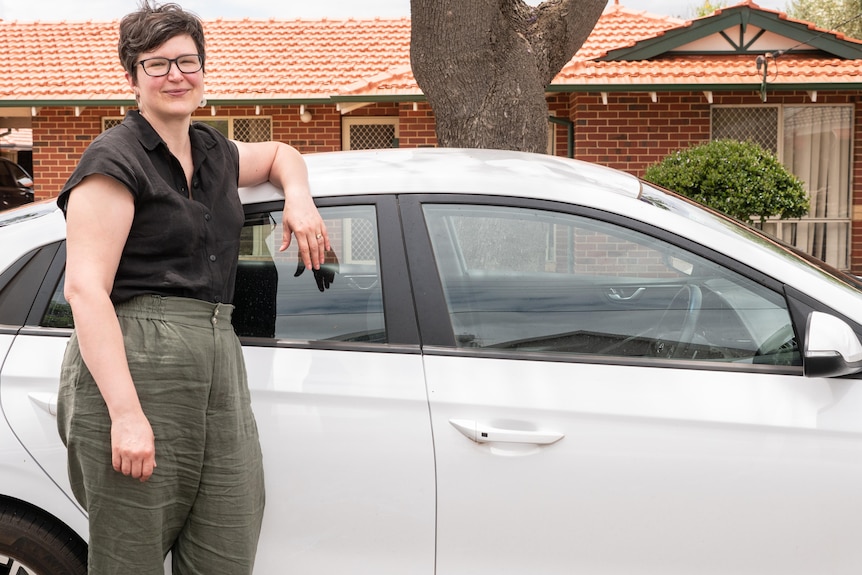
{"points": [[337, 388], [339, 395], [604, 400]]}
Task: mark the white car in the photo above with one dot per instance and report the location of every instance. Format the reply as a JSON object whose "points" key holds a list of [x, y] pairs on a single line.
{"points": [[524, 364]]}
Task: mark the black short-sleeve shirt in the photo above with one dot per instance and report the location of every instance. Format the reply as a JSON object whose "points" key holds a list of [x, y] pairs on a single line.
{"points": [[182, 242]]}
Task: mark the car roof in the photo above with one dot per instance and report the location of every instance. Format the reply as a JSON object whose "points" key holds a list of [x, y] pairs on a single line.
{"points": [[470, 171], [8, 161]]}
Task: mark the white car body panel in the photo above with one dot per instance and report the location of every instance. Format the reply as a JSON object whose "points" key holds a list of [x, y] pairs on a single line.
{"points": [[340, 475], [765, 461], [25, 384], [37, 473], [27, 235], [349, 461]]}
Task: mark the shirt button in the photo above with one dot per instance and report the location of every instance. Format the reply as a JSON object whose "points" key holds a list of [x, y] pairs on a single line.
{"points": [[212, 258], [207, 217]]}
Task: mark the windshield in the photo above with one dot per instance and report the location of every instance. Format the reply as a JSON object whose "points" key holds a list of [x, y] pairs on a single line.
{"points": [[692, 210]]}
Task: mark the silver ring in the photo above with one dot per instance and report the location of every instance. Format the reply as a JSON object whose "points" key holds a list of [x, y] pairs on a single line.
{"points": [[318, 236]]}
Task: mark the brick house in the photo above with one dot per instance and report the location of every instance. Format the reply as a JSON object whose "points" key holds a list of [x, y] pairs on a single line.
{"points": [[641, 87]]}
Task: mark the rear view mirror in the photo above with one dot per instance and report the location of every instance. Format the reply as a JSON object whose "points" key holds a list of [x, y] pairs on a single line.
{"points": [[678, 264], [832, 348]]}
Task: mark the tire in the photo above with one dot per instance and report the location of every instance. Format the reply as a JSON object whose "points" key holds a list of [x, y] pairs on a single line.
{"points": [[34, 543]]}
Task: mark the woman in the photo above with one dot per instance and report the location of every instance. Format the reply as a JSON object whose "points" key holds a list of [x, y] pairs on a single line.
{"points": [[154, 404]]}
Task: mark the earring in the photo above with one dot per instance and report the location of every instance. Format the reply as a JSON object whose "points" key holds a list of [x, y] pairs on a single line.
{"points": [[203, 102]]}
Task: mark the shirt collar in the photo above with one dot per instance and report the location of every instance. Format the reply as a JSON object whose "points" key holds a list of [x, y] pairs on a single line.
{"points": [[201, 140]]}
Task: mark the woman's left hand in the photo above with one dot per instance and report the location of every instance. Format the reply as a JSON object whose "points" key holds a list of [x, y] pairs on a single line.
{"points": [[301, 218]]}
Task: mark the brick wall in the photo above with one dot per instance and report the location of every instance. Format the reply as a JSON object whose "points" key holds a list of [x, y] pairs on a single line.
{"points": [[629, 132], [60, 137], [416, 128]]}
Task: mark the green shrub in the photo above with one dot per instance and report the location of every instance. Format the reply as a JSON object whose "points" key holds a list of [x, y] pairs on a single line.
{"points": [[740, 179]]}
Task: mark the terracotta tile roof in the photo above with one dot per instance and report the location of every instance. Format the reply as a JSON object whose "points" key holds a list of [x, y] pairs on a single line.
{"points": [[246, 59], [16, 139], [60, 61], [300, 58], [729, 70], [396, 81], [315, 60], [620, 26]]}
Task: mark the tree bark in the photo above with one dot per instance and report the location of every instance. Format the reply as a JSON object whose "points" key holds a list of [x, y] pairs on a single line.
{"points": [[484, 65]]}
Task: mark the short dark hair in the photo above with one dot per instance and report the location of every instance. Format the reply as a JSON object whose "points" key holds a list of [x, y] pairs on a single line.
{"points": [[151, 26]]}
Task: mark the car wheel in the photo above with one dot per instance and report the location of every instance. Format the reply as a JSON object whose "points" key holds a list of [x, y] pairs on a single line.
{"points": [[32, 543]]}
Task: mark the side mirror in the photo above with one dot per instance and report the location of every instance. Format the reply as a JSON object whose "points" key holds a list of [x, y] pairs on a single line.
{"points": [[831, 347]]}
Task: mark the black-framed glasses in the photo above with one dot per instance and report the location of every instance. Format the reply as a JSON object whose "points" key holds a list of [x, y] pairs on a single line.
{"points": [[186, 63]]}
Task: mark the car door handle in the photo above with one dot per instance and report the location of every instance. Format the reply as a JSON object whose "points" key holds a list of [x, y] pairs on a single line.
{"points": [[483, 433], [618, 294], [47, 401]]}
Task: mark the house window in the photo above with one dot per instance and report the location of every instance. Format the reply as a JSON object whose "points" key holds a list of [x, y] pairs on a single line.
{"points": [[814, 143], [369, 133], [253, 129], [759, 125]]}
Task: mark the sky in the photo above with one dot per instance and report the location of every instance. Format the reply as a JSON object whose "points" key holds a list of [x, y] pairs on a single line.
{"points": [[56, 10]]}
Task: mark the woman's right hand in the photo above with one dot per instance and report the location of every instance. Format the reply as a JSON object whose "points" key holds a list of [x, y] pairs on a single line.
{"points": [[133, 447]]}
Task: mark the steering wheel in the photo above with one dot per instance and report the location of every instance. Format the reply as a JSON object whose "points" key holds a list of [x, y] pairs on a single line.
{"points": [[690, 299]]}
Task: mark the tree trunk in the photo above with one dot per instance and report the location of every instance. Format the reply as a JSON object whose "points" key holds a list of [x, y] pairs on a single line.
{"points": [[484, 65]]}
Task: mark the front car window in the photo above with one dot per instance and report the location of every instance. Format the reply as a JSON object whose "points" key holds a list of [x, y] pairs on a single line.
{"points": [[535, 280]]}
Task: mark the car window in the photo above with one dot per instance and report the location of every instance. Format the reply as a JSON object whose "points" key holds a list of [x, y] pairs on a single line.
{"points": [[18, 174], [272, 301], [59, 312], [534, 280]]}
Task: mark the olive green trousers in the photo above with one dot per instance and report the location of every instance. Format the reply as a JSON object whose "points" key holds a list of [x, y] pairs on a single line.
{"points": [[204, 502]]}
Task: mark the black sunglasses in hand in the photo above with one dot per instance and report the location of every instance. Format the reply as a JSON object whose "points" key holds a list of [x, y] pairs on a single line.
{"points": [[324, 276]]}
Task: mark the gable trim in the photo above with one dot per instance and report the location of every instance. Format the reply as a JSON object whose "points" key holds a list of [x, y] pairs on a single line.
{"points": [[741, 16]]}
